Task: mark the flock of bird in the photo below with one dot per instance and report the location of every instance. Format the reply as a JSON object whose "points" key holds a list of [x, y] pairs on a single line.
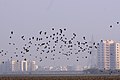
{"points": [[52, 44], [46, 44]]}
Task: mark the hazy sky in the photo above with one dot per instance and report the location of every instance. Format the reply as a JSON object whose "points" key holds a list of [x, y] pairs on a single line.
{"points": [[84, 17]]}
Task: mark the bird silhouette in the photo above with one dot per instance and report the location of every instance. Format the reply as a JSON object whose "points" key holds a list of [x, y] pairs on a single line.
{"points": [[117, 22], [110, 26]]}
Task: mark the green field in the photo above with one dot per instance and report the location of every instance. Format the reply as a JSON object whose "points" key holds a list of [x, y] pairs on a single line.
{"points": [[61, 78]]}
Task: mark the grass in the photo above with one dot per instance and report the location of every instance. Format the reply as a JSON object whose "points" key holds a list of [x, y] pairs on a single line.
{"points": [[61, 78]]}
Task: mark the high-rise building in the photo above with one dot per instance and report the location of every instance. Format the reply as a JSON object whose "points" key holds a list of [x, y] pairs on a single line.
{"points": [[108, 55], [24, 65], [16, 66], [32, 66], [115, 56], [28, 66]]}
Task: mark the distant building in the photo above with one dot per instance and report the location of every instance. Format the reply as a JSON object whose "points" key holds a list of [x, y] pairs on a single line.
{"points": [[32, 66], [28, 66], [24, 66], [108, 55], [70, 68], [115, 56], [92, 63], [18, 66], [5, 67]]}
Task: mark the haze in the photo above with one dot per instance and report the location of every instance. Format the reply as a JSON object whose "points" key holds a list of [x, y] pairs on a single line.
{"points": [[84, 17]]}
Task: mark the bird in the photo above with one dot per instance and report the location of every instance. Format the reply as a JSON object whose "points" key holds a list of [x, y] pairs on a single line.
{"points": [[11, 32], [90, 52], [32, 37], [64, 29], [47, 37], [45, 33], [110, 26], [74, 34], [94, 43], [17, 60], [40, 32], [9, 43], [22, 37], [117, 22], [61, 31], [84, 38], [36, 39], [52, 28], [25, 59]]}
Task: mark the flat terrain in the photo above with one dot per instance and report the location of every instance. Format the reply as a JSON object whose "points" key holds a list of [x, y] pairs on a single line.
{"points": [[60, 77]]}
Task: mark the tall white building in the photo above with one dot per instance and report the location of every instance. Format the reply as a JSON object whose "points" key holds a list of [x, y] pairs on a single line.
{"points": [[16, 66], [108, 55], [23, 66], [32, 66], [115, 56]]}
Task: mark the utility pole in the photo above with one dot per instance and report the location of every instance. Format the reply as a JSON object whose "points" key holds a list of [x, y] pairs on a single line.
{"points": [[92, 55]]}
